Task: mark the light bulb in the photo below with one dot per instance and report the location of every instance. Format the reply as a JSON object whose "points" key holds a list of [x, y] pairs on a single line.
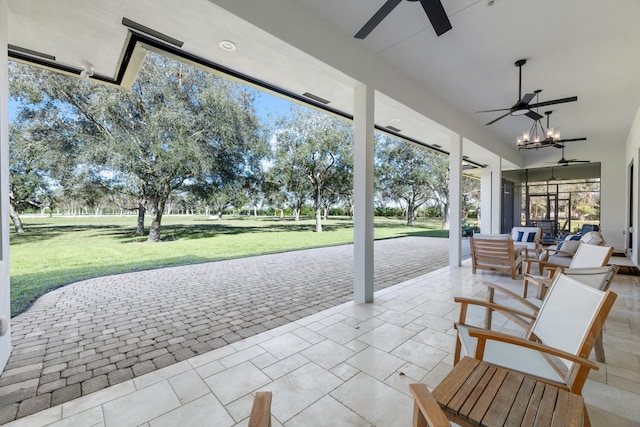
{"points": [[525, 137]]}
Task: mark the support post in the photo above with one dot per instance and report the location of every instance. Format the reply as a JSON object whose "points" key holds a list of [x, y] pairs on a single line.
{"points": [[485, 200], [5, 304], [496, 195], [363, 124], [455, 201]]}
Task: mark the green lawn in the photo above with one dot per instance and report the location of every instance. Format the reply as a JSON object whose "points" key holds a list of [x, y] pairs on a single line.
{"points": [[61, 250]]}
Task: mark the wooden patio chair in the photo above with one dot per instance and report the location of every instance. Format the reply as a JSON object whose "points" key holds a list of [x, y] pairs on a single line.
{"points": [[495, 252], [557, 345], [598, 277], [586, 256]]}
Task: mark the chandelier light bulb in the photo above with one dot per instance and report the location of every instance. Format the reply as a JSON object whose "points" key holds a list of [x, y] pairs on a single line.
{"points": [[525, 137], [557, 136]]}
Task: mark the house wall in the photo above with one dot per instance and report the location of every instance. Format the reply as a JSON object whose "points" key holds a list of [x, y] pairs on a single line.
{"points": [[633, 155], [5, 304]]}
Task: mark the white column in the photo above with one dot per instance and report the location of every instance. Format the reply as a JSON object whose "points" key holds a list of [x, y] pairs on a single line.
{"points": [[496, 195], [5, 306], [455, 201], [363, 186], [486, 212]]}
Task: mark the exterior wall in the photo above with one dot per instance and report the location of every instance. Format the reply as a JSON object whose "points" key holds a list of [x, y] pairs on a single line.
{"points": [[613, 198], [633, 155], [5, 304]]}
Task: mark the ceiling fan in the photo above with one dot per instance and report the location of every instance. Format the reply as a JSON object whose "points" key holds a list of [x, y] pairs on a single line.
{"points": [[523, 106], [433, 8], [566, 162]]}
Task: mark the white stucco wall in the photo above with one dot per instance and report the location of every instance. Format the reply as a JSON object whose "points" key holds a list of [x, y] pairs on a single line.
{"points": [[633, 155], [5, 303]]}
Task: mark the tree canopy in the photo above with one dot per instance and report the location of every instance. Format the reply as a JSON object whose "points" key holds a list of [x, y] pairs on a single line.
{"points": [[177, 127], [182, 138]]}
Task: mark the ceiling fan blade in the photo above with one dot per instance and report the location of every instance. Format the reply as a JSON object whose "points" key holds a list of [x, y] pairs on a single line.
{"points": [[572, 139], [533, 115], [377, 18], [493, 111], [436, 14], [526, 99], [495, 120], [553, 102]]}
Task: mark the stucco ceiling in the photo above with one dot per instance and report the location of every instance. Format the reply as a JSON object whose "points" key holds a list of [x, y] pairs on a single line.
{"points": [[585, 48]]}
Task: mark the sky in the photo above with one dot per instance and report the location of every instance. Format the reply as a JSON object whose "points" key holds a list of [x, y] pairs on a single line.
{"points": [[267, 105]]}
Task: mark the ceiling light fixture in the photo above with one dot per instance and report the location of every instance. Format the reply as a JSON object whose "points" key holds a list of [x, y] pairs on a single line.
{"points": [[227, 45], [538, 136], [87, 70]]}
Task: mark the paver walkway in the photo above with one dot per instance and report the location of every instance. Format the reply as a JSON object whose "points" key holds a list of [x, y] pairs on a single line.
{"points": [[96, 333]]}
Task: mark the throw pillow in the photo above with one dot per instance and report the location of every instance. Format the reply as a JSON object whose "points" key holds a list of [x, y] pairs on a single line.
{"points": [[531, 237], [570, 246], [592, 238], [520, 234]]}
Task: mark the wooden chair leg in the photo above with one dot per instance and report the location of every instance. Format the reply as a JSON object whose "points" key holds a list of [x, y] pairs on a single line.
{"points": [[587, 421], [599, 349]]}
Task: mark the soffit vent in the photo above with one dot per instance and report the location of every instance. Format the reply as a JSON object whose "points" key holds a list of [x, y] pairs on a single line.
{"points": [[31, 52], [151, 32], [394, 129], [316, 98]]}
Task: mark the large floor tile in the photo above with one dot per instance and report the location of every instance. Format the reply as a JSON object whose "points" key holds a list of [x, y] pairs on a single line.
{"points": [[235, 382], [376, 363], [327, 411], [141, 406], [203, 412], [297, 390], [379, 404]]}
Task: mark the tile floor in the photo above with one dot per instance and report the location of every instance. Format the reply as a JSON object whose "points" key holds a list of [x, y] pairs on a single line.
{"points": [[347, 366]]}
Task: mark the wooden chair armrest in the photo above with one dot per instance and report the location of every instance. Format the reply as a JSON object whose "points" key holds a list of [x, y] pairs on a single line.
{"points": [[261, 410], [512, 295], [482, 335], [426, 409], [561, 252], [464, 302]]}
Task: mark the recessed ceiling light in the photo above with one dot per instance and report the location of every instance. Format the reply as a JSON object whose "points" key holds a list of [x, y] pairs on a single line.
{"points": [[395, 120], [227, 45]]}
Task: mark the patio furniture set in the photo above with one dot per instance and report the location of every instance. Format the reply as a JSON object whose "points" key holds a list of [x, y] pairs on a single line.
{"points": [[535, 378]]}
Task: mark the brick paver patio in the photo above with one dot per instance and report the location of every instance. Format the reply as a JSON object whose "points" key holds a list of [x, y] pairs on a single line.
{"points": [[96, 333]]}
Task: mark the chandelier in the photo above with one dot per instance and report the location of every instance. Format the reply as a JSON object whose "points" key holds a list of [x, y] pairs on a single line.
{"points": [[538, 136]]}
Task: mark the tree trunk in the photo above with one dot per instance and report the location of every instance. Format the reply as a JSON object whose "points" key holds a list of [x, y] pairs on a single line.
{"points": [[140, 226], [445, 217], [318, 219], [410, 210], [318, 211], [296, 214], [156, 220], [17, 223]]}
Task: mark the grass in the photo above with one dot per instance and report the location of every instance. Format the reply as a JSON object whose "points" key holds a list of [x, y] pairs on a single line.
{"points": [[61, 250]]}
